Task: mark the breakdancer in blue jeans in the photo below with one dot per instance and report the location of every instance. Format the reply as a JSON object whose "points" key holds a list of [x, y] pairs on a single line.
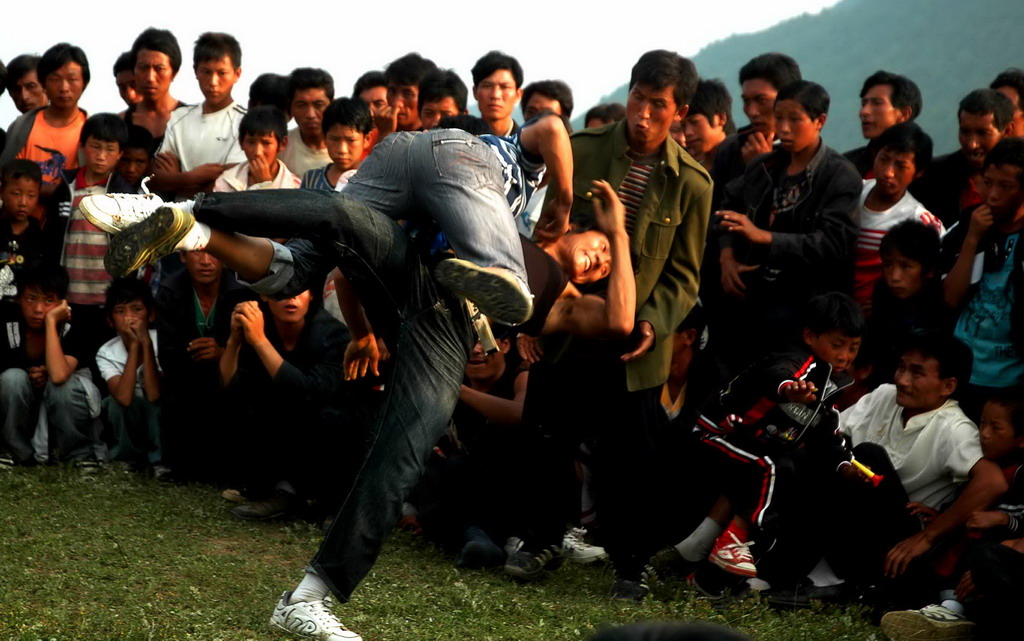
{"points": [[425, 327]]}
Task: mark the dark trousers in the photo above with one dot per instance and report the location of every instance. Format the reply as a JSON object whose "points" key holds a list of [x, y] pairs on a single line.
{"points": [[998, 574], [572, 402], [426, 331]]}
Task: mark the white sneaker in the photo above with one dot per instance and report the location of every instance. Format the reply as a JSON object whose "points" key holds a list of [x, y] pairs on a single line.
{"points": [[113, 213], [310, 620], [930, 622], [575, 548], [734, 557]]}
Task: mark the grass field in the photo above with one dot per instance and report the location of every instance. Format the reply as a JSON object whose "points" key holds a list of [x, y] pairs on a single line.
{"points": [[117, 556]]}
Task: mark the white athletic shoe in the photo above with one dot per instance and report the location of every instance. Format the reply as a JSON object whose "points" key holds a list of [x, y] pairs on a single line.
{"points": [[113, 213], [576, 549], [930, 622], [310, 620], [499, 294]]}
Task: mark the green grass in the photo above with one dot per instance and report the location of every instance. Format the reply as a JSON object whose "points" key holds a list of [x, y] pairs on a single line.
{"points": [[117, 556]]}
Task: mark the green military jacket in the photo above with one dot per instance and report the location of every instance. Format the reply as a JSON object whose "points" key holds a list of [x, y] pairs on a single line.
{"points": [[667, 243]]}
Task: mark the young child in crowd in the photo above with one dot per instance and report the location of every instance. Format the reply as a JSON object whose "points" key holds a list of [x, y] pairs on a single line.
{"points": [[263, 135], [136, 161], [908, 297], [348, 127], [80, 244], [756, 425], [904, 151], [41, 357], [128, 363], [21, 239], [1002, 441]]}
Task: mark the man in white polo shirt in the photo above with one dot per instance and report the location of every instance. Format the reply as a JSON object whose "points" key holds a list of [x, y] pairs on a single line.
{"points": [[917, 436]]}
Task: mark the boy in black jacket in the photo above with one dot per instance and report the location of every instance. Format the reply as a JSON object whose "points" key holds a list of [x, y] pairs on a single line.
{"points": [[773, 423], [786, 229]]}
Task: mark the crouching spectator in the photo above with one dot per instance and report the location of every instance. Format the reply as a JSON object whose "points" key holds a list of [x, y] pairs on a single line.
{"points": [[194, 309], [41, 357], [283, 369], [128, 363]]}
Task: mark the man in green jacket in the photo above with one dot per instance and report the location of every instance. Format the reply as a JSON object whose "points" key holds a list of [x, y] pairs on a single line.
{"points": [[604, 390]]}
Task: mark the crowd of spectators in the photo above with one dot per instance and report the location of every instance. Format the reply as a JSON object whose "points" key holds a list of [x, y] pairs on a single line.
{"points": [[835, 413]]}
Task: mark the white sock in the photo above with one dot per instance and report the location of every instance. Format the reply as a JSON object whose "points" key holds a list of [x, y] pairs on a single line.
{"points": [[195, 239], [183, 205], [697, 546], [948, 601], [312, 588]]}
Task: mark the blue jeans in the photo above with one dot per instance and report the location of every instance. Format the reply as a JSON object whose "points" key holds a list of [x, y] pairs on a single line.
{"points": [[448, 176], [137, 430], [72, 411], [426, 331]]}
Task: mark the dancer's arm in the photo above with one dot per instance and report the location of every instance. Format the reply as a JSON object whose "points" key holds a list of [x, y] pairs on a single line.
{"points": [[365, 351], [547, 137]]}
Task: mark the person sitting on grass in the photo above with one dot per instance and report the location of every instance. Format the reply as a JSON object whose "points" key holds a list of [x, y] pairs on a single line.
{"points": [[41, 358], [263, 135], [915, 435], [282, 366], [348, 128], [128, 363], [1002, 441], [771, 430]]}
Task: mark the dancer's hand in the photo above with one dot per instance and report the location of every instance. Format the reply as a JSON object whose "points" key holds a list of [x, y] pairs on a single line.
{"points": [[643, 336], [609, 212], [529, 348], [361, 356]]}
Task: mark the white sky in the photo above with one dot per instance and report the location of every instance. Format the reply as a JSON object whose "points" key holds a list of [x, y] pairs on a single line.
{"points": [[590, 48]]}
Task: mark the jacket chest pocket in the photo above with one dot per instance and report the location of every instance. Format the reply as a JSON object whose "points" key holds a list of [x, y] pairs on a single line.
{"points": [[659, 235]]}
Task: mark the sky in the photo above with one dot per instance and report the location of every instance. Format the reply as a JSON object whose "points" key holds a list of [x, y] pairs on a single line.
{"points": [[590, 49]]}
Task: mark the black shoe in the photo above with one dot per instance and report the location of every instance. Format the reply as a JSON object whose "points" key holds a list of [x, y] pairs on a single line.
{"points": [[88, 466], [634, 588], [479, 551], [790, 596], [527, 566], [282, 505], [717, 585], [7, 461], [669, 562]]}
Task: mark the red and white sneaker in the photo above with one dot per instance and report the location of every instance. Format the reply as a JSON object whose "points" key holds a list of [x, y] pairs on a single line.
{"points": [[733, 555]]}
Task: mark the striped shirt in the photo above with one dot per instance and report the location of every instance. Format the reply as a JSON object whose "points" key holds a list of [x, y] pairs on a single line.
{"points": [[874, 225], [631, 191], [84, 247]]}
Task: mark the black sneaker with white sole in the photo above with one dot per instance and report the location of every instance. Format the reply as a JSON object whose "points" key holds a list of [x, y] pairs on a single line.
{"points": [[144, 243], [499, 294], [527, 566]]}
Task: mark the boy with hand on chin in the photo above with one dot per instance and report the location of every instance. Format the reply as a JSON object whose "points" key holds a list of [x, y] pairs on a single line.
{"points": [[263, 135], [41, 357], [128, 363]]}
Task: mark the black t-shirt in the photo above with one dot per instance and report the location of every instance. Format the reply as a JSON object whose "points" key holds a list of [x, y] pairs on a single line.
{"points": [[12, 345], [547, 282], [18, 252]]}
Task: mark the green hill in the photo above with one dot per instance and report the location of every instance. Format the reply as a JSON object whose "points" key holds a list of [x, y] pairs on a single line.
{"points": [[948, 47]]}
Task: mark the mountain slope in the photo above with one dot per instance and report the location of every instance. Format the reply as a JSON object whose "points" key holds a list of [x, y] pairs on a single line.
{"points": [[948, 47]]}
